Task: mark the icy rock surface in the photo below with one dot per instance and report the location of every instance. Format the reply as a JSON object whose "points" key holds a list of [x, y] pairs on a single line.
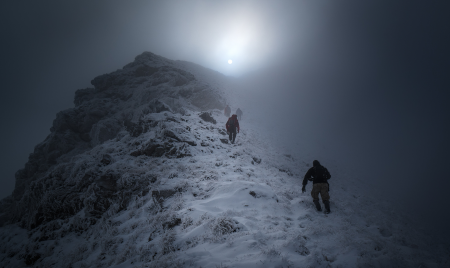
{"points": [[150, 84], [140, 174]]}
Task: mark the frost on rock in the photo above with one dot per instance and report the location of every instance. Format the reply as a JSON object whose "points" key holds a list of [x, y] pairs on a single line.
{"points": [[207, 117], [140, 173]]}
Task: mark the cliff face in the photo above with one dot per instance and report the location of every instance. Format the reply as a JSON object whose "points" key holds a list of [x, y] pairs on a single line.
{"points": [[119, 100], [140, 173]]}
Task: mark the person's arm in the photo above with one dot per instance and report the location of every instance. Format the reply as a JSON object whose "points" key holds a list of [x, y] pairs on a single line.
{"points": [[308, 176], [328, 173]]}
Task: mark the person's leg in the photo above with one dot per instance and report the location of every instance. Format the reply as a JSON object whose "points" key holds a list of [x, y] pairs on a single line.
{"points": [[234, 136], [327, 206], [315, 195], [325, 196]]}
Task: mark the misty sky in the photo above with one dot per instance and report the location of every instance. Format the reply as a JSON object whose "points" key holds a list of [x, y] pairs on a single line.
{"points": [[365, 83]]}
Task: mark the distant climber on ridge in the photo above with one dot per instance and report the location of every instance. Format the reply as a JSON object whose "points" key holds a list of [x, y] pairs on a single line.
{"points": [[227, 111], [319, 175], [232, 125], [239, 113]]}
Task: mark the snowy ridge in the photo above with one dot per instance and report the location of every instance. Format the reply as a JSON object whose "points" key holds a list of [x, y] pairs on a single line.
{"points": [[166, 189]]}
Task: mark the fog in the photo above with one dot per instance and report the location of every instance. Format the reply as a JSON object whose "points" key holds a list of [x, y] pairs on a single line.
{"points": [[362, 83]]}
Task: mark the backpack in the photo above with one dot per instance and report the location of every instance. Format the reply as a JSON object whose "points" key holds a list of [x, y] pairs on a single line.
{"points": [[321, 173], [231, 122]]}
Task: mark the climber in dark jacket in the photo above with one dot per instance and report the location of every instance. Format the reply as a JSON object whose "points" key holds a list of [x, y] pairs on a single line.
{"points": [[232, 125], [319, 175]]}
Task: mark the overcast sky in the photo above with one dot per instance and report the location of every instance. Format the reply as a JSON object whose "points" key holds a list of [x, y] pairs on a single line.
{"points": [[365, 83]]}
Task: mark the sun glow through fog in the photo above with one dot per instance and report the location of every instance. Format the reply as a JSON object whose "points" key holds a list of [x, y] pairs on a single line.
{"points": [[243, 40], [244, 33]]}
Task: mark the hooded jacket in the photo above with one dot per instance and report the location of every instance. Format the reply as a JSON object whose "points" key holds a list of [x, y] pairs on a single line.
{"points": [[232, 124], [311, 174]]}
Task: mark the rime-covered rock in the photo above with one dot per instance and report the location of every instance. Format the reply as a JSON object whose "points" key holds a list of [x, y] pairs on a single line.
{"points": [[207, 117], [150, 84]]}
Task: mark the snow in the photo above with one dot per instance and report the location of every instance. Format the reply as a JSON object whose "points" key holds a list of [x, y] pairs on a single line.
{"points": [[225, 208], [276, 227]]}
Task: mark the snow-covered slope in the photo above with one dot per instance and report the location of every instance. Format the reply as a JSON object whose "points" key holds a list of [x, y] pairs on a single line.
{"points": [[140, 174]]}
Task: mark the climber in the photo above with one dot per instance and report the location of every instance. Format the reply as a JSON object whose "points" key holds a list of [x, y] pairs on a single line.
{"points": [[232, 125], [239, 113], [319, 175], [227, 111]]}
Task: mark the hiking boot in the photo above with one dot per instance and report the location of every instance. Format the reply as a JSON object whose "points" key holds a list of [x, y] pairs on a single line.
{"points": [[327, 206], [317, 205]]}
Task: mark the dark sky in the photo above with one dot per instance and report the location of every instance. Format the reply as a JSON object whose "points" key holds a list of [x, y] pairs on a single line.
{"points": [[364, 83]]}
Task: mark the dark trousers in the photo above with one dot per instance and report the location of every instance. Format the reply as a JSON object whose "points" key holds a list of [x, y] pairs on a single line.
{"points": [[322, 189], [232, 135]]}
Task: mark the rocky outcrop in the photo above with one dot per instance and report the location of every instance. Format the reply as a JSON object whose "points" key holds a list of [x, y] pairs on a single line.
{"points": [[104, 130], [207, 117], [96, 179], [150, 84]]}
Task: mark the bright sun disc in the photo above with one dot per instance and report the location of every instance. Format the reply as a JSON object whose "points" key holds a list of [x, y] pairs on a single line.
{"points": [[230, 61]]}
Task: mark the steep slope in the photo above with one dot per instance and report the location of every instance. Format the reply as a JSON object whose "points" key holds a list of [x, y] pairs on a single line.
{"points": [[140, 174], [149, 84]]}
